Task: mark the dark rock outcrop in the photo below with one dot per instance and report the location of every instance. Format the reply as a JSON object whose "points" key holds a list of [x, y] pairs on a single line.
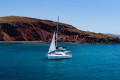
{"points": [[15, 28]]}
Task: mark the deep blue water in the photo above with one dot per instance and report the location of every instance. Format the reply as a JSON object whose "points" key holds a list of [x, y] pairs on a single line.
{"points": [[27, 61]]}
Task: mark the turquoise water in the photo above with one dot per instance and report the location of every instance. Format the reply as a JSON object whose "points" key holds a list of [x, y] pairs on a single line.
{"points": [[27, 61]]}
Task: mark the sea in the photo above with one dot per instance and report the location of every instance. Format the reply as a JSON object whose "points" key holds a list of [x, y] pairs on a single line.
{"points": [[27, 61]]}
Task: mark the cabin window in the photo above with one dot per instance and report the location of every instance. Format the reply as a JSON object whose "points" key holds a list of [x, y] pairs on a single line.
{"points": [[58, 54]]}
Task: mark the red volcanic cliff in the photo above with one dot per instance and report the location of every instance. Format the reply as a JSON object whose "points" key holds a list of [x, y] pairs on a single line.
{"points": [[15, 28]]}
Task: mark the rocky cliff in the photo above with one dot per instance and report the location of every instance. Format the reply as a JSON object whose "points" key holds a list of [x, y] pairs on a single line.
{"points": [[15, 28]]}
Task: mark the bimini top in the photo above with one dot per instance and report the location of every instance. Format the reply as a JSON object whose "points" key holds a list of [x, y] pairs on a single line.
{"points": [[61, 48]]}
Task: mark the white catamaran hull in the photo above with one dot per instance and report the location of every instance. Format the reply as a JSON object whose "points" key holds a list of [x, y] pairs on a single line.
{"points": [[59, 55]]}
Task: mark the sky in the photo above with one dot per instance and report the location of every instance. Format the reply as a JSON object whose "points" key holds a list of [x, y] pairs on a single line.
{"points": [[100, 16]]}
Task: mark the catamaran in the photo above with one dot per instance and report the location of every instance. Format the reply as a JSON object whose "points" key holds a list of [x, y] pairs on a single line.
{"points": [[57, 52]]}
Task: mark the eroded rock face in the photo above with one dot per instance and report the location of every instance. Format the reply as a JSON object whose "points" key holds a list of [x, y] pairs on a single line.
{"points": [[14, 28]]}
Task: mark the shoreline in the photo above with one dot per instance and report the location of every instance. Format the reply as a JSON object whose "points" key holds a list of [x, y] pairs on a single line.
{"points": [[49, 42], [21, 41]]}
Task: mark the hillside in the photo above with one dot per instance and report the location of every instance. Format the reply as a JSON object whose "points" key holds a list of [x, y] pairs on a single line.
{"points": [[15, 28]]}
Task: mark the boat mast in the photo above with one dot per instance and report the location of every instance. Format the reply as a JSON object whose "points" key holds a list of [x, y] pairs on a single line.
{"points": [[56, 32]]}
